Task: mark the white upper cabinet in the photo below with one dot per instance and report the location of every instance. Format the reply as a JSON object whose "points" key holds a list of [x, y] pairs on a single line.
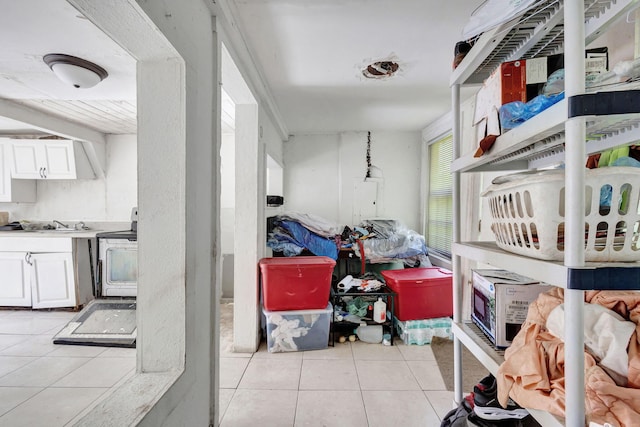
{"points": [[50, 159], [13, 190]]}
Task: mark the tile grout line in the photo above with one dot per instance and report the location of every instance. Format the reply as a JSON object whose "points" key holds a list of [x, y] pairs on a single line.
{"points": [[364, 405], [21, 403]]}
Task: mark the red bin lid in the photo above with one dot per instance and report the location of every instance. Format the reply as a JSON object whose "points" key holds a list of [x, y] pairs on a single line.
{"points": [[416, 273], [297, 261]]}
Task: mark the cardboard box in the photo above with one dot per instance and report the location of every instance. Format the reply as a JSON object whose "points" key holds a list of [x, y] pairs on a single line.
{"points": [[501, 301]]}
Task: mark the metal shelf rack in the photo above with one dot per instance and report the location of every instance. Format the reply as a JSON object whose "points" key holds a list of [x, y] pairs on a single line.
{"points": [[567, 132]]}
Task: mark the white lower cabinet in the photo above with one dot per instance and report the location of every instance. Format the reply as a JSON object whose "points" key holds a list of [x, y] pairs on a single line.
{"points": [[44, 272], [15, 282], [52, 280]]}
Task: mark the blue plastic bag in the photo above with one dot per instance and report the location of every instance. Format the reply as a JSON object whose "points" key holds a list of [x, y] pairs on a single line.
{"points": [[515, 113]]}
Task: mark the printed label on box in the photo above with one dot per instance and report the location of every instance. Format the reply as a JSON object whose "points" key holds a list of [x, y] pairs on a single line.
{"points": [[516, 311], [537, 70]]}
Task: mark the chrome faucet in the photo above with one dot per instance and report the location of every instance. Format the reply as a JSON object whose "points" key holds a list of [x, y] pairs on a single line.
{"points": [[59, 224]]}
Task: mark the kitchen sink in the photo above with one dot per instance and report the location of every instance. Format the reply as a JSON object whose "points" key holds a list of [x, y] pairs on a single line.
{"points": [[62, 230], [54, 227]]}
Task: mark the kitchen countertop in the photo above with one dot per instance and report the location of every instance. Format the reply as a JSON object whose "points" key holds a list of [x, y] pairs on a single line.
{"points": [[94, 228]]}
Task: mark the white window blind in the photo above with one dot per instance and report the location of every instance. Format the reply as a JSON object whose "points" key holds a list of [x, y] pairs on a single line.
{"points": [[440, 197]]}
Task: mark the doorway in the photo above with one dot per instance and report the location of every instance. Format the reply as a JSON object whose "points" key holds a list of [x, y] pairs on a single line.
{"points": [[242, 196]]}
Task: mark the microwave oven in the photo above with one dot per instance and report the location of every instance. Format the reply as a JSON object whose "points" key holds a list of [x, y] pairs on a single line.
{"points": [[501, 302]]}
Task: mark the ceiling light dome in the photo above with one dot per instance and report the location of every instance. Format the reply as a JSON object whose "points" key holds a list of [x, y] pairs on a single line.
{"points": [[75, 71]]}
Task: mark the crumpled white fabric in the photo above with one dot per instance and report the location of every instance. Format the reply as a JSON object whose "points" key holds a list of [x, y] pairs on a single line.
{"points": [[367, 285], [284, 333], [606, 336], [318, 225]]}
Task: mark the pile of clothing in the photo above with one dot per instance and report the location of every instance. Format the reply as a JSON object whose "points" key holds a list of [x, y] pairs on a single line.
{"points": [[533, 371], [376, 241], [389, 240], [295, 232]]}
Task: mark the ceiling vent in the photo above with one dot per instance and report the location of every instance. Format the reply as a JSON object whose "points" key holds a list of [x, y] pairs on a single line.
{"points": [[380, 69]]}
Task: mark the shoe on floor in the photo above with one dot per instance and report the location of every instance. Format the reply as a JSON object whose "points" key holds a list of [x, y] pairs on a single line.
{"points": [[486, 405]]}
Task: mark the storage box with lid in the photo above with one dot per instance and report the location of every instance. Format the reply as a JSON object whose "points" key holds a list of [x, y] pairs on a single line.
{"points": [[422, 293], [298, 330], [421, 332], [501, 302], [296, 283]]}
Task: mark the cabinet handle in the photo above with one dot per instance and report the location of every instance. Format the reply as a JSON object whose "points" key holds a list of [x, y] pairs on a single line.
{"points": [[44, 172], [27, 258], [41, 173]]}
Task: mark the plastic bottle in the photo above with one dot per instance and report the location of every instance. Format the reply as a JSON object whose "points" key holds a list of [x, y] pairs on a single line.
{"points": [[380, 311], [369, 333]]}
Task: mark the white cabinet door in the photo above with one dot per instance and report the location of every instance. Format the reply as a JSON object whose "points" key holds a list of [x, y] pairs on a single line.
{"points": [[15, 279], [50, 159], [13, 190], [52, 280], [26, 161], [59, 160], [5, 173]]}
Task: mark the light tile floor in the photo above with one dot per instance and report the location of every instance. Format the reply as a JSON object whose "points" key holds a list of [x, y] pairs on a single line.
{"points": [[46, 384], [349, 385]]}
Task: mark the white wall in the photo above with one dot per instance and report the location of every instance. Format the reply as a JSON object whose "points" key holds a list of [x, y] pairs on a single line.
{"points": [[227, 191], [178, 81], [270, 137], [321, 170], [93, 200]]}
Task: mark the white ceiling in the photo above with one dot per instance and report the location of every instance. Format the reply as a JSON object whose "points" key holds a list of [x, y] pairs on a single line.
{"points": [[32, 28], [310, 52]]}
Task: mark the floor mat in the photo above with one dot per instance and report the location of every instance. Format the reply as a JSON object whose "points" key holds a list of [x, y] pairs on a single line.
{"points": [[109, 323]]}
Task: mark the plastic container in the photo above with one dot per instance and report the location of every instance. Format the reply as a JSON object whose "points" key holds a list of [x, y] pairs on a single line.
{"points": [[298, 330], [422, 293], [379, 311], [421, 332], [371, 334], [528, 214], [296, 283]]}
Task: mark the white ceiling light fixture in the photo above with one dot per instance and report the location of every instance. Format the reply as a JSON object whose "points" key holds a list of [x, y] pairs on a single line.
{"points": [[75, 71]]}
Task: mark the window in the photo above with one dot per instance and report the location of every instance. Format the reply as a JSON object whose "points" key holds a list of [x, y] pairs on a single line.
{"points": [[440, 197]]}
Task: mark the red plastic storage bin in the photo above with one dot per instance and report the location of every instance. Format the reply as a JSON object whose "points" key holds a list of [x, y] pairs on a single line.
{"points": [[296, 283], [422, 293]]}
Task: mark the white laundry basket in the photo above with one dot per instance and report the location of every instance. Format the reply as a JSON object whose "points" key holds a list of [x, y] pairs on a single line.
{"points": [[528, 214]]}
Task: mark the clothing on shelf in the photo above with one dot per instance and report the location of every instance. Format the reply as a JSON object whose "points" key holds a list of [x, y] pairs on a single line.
{"points": [[533, 371]]}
